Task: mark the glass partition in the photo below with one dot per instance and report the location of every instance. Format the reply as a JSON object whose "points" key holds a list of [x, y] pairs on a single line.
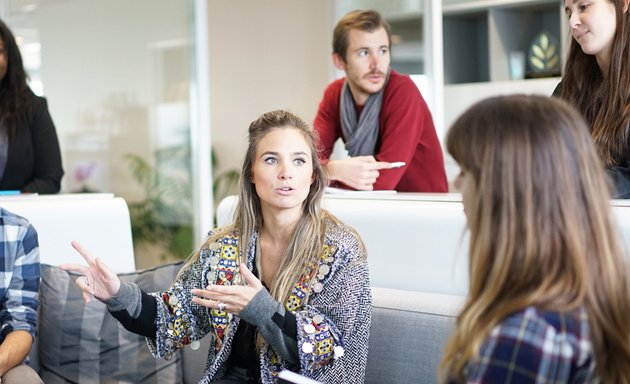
{"points": [[117, 77]]}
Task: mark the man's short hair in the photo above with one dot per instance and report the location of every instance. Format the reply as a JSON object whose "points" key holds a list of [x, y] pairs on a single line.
{"points": [[364, 20]]}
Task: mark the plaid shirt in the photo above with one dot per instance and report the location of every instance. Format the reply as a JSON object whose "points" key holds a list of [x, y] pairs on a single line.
{"points": [[19, 263], [536, 346]]}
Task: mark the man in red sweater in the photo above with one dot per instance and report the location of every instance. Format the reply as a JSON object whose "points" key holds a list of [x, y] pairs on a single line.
{"points": [[379, 113]]}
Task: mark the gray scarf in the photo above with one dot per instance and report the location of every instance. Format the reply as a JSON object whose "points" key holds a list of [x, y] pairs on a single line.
{"points": [[360, 134]]}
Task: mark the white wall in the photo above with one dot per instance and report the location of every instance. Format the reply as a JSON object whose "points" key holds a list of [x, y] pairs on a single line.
{"points": [[264, 55]]}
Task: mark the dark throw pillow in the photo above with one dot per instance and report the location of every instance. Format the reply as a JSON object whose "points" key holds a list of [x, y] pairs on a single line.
{"points": [[81, 343]]}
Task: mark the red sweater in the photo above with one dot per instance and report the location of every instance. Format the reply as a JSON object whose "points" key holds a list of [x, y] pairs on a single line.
{"points": [[406, 134]]}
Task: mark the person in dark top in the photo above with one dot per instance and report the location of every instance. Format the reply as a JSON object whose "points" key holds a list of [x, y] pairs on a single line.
{"points": [[549, 283], [596, 80], [285, 286], [30, 158]]}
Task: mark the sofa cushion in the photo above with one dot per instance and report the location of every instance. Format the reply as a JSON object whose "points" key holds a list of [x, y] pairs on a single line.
{"points": [[81, 343], [194, 361], [408, 334]]}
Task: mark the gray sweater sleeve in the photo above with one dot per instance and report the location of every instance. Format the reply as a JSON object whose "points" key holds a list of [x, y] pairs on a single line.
{"points": [[128, 298], [275, 324]]}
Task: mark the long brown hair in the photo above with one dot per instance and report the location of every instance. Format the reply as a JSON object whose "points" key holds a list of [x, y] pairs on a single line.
{"points": [[542, 233], [308, 236], [603, 100]]}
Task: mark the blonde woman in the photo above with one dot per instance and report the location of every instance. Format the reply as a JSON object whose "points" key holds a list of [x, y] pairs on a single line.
{"points": [[284, 287], [549, 295]]}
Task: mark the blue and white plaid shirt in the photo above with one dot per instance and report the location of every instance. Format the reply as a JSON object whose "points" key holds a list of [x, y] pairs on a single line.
{"points": [[536, 346], [19, 263]]}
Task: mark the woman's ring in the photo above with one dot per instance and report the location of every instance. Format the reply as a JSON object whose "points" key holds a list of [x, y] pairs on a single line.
{"points": [[221, 307]]}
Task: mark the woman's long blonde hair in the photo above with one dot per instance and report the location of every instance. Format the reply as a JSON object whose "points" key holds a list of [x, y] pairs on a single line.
{"points": [[308, 237], [542, 233]]}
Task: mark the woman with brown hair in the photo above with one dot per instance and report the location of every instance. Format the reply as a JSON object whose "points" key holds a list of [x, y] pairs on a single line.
{"points": [[597, 80], [549, 288], [285, 286]]}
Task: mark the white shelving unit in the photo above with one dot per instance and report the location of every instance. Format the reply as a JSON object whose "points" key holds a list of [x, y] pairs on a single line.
{"points": [[478, 35], [477, 38]]}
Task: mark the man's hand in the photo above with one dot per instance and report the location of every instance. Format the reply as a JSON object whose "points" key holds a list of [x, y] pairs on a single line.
{"points": [[357, 172]]}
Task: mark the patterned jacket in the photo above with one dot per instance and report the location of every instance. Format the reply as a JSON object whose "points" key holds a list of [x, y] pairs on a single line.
{"points": [[332, 309]]}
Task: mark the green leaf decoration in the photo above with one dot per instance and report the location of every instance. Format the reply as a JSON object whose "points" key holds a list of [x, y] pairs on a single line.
{"points": [[538, 51], [544, 42], [536, 62], [543, 56]]}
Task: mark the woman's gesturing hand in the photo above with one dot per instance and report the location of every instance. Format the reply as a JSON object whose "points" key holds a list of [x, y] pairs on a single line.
{"points": [[96, 278], [230, 298]]}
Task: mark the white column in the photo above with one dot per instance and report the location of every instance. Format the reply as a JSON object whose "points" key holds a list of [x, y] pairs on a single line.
{"points": [[434, 63], [200, 126]]}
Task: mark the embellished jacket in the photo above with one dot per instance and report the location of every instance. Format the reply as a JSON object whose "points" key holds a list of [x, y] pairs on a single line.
{"points": [[331, 304]]}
